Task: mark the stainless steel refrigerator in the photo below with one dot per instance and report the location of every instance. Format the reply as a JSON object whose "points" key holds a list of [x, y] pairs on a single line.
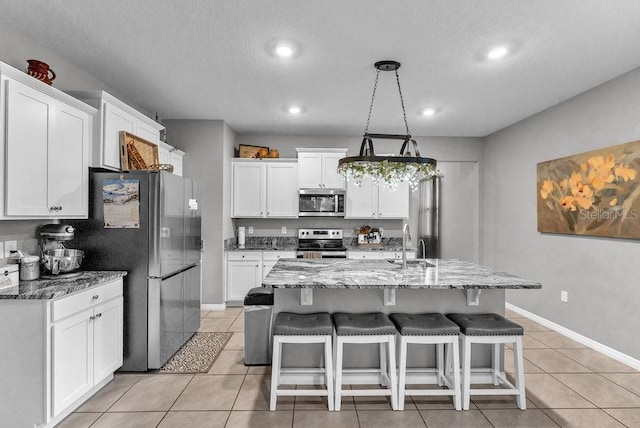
{"points": [[148, 224], [429, 217]]}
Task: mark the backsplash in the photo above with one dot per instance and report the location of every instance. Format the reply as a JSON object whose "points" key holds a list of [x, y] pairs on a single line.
{"points": [[24, 232], [288, 241]]}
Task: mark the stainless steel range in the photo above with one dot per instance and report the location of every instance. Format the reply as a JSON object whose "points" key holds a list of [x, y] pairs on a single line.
{"points": [[323, 242]]}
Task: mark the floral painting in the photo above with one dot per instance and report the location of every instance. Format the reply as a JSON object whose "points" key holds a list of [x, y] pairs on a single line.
{"points": [[594, 193]]}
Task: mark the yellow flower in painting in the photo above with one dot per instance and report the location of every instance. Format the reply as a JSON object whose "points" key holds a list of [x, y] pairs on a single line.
{"points": [[584, 167], [575, 182], [567, 203], [547, 188], [624, 173], [613, 202], [584, 197], [600, 172]]}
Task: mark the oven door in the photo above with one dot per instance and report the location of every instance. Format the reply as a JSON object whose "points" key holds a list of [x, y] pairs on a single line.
{"points": [[321, 203]]}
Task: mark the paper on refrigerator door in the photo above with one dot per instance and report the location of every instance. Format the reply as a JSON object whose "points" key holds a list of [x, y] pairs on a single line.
{"points": [[121, 203]]}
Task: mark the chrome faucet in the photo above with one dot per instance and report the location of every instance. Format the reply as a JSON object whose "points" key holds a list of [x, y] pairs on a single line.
{"points": [[424, 252], [406, 235]]}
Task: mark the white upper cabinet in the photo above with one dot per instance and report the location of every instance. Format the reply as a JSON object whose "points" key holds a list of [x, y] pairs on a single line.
{"points": [[107, 144], [361, 201], [46, 138], [317, 168], [249, 187], [263, 188], [394, 203], [373, 201], [175, 159], [282, 189], [114, 116], [168, 154]]}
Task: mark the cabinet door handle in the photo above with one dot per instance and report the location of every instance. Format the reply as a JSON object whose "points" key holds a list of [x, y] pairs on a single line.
{"points": [[98, 315], [55, 208], [92, 317], [96, 297]]}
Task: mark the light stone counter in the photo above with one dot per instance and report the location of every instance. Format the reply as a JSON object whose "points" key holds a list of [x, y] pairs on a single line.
{"points": [[367, 273], [45, 289], [365, 285]]}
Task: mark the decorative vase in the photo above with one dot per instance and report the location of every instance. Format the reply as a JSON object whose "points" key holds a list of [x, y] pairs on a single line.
{"points": [[41, 71]]}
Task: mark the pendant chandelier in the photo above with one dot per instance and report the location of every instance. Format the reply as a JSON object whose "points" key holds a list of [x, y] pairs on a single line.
{"points": [[388, 170]]}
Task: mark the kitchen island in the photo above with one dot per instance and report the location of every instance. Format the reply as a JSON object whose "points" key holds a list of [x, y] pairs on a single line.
{"points": [[358, 286]]}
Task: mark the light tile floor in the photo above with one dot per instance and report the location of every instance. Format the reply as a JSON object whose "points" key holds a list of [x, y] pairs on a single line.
{"points": [[568, 385]]}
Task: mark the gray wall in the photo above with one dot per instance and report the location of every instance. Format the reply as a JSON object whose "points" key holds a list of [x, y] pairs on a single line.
{"points": [[207, 144], [600, 274], [16, 48]]}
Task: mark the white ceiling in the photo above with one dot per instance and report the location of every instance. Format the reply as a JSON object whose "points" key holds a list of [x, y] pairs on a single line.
{"points": [[210, 59]]}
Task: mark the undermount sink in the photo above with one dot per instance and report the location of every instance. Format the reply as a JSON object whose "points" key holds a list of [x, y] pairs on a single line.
{"points": [[411, 262]]}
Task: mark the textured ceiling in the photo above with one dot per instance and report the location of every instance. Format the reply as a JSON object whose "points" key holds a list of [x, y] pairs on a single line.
{"points": [[210, 59]]}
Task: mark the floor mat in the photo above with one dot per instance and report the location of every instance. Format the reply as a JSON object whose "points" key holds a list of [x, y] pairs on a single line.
{"points": [[198, 354]]}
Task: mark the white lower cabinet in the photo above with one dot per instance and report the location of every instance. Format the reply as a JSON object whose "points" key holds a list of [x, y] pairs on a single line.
{"points": [[74, 345], [244, 272], [364, 254], [270, 258], [86, 345], [379, 254], [246, 269]]}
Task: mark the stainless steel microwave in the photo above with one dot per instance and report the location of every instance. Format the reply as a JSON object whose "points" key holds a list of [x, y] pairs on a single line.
{"points": [[321, 203]]}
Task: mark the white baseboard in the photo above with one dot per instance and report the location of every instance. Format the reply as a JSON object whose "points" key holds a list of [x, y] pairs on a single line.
{"points": [[213, 307], [610, 352]]}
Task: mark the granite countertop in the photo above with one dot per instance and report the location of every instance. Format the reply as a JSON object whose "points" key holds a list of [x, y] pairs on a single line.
{"points": [[44, 289], [235, 247], [294, 248], [367, 273]]}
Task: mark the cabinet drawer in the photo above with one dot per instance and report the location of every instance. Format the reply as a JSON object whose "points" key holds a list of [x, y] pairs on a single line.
{"points": [[245, 255], [74, 303], [272, 256], [364, 254]]}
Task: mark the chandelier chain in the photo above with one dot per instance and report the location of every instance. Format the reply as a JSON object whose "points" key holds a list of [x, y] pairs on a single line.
{"points": [[404, 112], [373, 97]]}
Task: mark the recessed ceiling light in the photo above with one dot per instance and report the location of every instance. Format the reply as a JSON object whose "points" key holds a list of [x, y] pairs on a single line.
{"points": [[284, 51], [430, 111], [294, 109], [497, 52]]}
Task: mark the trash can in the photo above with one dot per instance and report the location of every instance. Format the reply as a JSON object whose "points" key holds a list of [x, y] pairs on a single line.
{"points": [[258, 311]]}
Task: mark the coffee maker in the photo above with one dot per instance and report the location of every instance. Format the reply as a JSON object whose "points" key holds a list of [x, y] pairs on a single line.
{"points": [[55, 258]]}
